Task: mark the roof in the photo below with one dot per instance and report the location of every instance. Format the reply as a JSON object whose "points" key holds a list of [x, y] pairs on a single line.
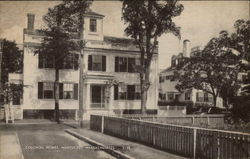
{"points": [[91, 13], [118, 40]]}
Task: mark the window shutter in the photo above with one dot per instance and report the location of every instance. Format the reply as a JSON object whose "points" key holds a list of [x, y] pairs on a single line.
{"points": [[131, 92], [131, 65], [90, 63], [40, 90], [104, 63], [75, 91], [116, 64], [60, 90], [115, 92], [76, 65], [40, 61]]}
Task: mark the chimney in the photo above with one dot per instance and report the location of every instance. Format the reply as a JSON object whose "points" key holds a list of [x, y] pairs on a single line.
{"points": [[31, 20], [186, 48]]}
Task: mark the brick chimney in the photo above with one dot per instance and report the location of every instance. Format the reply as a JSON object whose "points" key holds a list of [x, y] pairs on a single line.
{"points": [[186, 48], [31, 20]]}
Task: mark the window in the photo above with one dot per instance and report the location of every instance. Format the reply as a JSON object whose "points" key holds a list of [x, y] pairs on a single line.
{"points": [[97, 96], [137, 92], [162, 96], [199, 97], [170, 96], [69, 62], [130, 92], [205, 97], [122, 92], [92, 26], [161, 79], [66, 90], [125, 64], [45, 90], [187, 96], [97, 63], [45, 62]]}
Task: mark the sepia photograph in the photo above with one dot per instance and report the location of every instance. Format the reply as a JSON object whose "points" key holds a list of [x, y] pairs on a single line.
{"points": [[125, 79]]}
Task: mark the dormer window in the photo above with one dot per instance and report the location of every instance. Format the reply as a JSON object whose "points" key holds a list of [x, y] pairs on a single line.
{"points": [[92, 25]]}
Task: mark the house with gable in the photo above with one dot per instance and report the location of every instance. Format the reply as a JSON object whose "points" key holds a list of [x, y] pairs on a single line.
{"points": [[106, 59]]}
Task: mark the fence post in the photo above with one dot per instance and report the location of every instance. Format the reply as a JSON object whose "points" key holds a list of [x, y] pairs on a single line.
{"points": [[193, 120], [102, 129], [195, 138]]}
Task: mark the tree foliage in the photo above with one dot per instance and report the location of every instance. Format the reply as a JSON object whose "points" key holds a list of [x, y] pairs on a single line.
{"points": [[146, 21], [12, 59]]}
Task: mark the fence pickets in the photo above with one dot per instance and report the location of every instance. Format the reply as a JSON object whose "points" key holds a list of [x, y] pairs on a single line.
{"points": [[192, 142]]}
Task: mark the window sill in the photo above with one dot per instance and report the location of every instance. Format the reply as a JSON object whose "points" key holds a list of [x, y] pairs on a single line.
{"points": [[67, 69], [93, 33], [124, 100]]}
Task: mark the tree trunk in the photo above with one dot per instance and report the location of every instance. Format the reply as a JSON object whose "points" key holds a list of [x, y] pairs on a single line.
{"points": [[214, 100], [56, 89], [144, 88], [81, 70]]}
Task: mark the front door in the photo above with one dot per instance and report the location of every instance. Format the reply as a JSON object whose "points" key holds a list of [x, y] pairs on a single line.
{"points": [[97, 96]]}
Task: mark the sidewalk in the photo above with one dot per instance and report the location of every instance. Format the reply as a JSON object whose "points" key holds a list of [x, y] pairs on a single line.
{"points": [[10, 146], [126, 149]]}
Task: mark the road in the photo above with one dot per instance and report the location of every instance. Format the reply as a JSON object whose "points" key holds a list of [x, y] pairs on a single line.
{"points": [[50, 141]]}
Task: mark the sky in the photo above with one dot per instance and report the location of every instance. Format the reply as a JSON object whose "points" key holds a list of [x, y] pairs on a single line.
{"points": [[199, 22]]}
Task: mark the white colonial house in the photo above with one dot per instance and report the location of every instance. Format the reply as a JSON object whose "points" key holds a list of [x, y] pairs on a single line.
{"points": [[169, 79], [106, 59]]}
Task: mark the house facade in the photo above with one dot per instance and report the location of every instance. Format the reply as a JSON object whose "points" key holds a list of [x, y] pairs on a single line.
{"points": [[111, 84], [168, 79]]}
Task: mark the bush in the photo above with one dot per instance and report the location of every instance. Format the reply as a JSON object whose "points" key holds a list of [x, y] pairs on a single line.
{"points": [[240, 112]]}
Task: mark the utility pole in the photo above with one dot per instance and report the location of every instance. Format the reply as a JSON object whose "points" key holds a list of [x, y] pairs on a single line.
{"points": [[82, 45]]}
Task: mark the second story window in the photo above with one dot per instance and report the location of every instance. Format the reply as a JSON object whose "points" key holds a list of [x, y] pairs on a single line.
{"points": [[97, 63], [125, 64], [69, 62], [45, 62], [92, 25]]}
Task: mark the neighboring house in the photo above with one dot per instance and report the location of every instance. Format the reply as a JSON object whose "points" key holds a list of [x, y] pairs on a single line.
{"points": [[169, 79], [106, 59]]}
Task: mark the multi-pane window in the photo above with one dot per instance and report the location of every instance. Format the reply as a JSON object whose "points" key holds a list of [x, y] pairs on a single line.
{"points": [[92, 25], [205, 97], [170, 96], [71, 62], [66, 90], [45, 62], [130, 92], [97, 63], [126, 64], [45, 90], [187, 96], [68, 62], [199, 97], [162, 96], [122, 92]]}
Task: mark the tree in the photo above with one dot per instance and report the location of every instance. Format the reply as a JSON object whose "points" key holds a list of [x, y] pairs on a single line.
{"points": [[11, 59], [11, 62], [147, 20], [57, 44], [213, 70], [241, 43]]}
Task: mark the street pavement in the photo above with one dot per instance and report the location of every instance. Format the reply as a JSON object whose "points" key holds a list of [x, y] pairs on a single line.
{"points": [[46, 141]]}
